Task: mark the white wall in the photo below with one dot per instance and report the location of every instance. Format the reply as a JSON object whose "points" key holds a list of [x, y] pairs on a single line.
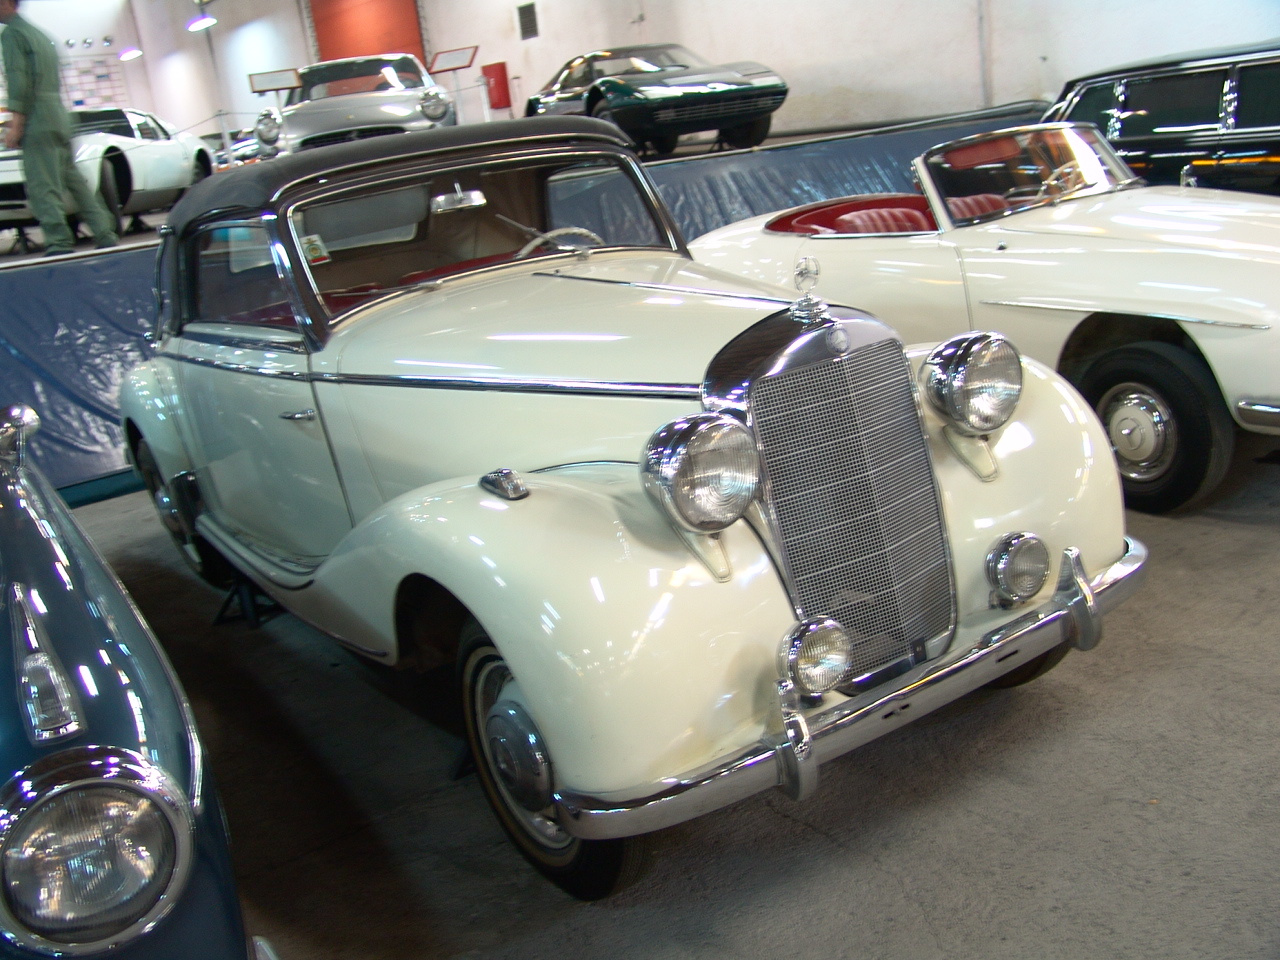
{"points": [[251, 36], [847, 61], [863, 61]]}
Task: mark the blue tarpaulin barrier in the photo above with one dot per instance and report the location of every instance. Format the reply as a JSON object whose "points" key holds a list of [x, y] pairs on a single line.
{"points": [[71, 328]]}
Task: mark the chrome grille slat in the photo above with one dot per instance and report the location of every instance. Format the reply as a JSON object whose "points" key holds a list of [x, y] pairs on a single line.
{"points": [[727, 107], [851, 492]]}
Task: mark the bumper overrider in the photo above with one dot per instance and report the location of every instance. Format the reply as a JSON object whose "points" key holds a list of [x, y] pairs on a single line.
{"points": [[791, 757]]}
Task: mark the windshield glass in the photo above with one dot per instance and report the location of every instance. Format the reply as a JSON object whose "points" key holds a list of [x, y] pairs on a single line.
{"points": [[342, 77], [386, 237], [646, 60], [989, 175]]}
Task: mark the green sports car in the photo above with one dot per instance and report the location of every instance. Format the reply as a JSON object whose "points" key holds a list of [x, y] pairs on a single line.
{"points": [[657, 91]]}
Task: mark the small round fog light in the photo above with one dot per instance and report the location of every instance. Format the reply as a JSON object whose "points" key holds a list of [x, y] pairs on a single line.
{"points": [[1018, 566], [818, 654]]}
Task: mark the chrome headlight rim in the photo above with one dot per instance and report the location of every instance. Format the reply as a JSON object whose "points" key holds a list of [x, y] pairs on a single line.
{"points": [[268, 127], [1005, 555], [669, 454], [808, 632], [952, 377], [85, 768], [434, 104]]}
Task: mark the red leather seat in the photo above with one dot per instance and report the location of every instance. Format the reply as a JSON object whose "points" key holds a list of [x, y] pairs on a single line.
{"points": [[977, 205], [883, 220]]}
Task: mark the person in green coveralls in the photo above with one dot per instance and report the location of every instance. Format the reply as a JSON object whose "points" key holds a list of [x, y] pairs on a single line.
{"points": [[41, 126]]}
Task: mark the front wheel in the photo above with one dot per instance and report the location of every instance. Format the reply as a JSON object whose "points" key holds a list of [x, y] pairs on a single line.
{"points": [[750, 134], [1163, 411], [1032, 669], [515, 773], [110, 194]]}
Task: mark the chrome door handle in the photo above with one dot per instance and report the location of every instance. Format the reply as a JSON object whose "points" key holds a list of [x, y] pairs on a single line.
{"points": [[299, 415]]}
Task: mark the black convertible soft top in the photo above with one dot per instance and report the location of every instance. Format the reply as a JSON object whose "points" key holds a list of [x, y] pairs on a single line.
{"points": [[250, 189]]}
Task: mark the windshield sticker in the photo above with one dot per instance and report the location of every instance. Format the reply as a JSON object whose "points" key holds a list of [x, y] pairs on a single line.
{"points": [[314, 250]]}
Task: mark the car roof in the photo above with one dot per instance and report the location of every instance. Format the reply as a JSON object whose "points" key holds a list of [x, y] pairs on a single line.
{"points": [[250, 189], [1179, 59]]}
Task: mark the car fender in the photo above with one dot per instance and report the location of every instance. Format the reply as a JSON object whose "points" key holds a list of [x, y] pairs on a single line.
{"points": [[147, 403], [613, 627], [90, 151]]}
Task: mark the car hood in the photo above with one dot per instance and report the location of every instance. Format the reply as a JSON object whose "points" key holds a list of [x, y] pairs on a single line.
{"points": [[1223, 222], [652, 320], [379, 108]]}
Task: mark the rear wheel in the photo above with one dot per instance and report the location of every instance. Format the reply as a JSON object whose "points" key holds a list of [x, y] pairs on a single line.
{"points": [[515, 773], [1170, 429], [201, 556], [750, 134], [110, 193], [664, 144]]}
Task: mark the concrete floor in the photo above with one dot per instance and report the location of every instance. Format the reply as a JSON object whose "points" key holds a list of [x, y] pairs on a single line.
{"points": [[1125, 805]]}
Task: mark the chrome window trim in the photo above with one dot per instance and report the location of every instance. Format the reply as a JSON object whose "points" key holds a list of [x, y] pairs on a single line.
{"points": [[244, 342], [1031, 304], [83, 766]]}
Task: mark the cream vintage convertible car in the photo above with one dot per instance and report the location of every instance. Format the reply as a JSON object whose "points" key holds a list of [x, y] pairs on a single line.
{"points": [[463, 396], [1159, 303]]}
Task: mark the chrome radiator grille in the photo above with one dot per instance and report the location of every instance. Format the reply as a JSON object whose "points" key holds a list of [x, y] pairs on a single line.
{"points": [[853, 499]]}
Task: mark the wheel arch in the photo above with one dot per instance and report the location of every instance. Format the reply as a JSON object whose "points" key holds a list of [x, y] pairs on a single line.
{"points": [[123, 174], [1101, 332]]}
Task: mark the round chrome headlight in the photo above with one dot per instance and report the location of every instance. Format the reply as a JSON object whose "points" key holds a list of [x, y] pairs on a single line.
{"points": [[1017, 567], [974, 380], [434, 104], [95, 845], [267, 129], [819, 654], [702, 470]]}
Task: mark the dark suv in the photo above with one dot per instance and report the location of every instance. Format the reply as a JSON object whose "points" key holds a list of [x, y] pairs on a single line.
{"points": [[1211, 117]]}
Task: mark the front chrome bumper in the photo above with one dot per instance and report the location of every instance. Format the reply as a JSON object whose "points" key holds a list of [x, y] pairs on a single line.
{"points": [[791, 758]]}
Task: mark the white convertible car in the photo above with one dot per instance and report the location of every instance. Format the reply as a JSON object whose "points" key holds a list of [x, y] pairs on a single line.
{"points": [[135, 161], [462, 396], [1159, 303]]}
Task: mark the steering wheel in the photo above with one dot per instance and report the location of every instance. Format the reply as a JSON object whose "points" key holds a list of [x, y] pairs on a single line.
{"points": [[550, 235], [1059, 181]]}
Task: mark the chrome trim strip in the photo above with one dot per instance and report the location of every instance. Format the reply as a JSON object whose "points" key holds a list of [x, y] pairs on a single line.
{"points": [[644, 391], [1258, 414], [1155, 316], [244, 343], [1072, 616], [237, 367], [650, 391], [665, 287]]}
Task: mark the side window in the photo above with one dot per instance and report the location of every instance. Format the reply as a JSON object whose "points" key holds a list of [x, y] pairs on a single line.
{"points": [[1097, 105], [579, 76], [146, 129], [1258, 96], [235, 278], [1177, 103]]}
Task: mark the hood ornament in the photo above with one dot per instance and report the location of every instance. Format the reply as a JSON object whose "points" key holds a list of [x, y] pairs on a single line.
{"points": [[808, 309]]}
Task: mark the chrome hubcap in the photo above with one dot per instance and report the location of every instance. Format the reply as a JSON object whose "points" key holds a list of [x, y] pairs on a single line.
{"points": [[513, 752], [168, 512], [1141, 429]]}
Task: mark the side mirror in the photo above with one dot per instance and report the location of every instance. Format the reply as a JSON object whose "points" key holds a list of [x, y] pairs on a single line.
{"points": [[17, 424]]}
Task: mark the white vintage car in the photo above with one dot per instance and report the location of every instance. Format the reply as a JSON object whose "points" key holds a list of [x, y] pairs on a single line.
{"points": [[1158, 303], [134, 160], [354, 99], [463, 396]]}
